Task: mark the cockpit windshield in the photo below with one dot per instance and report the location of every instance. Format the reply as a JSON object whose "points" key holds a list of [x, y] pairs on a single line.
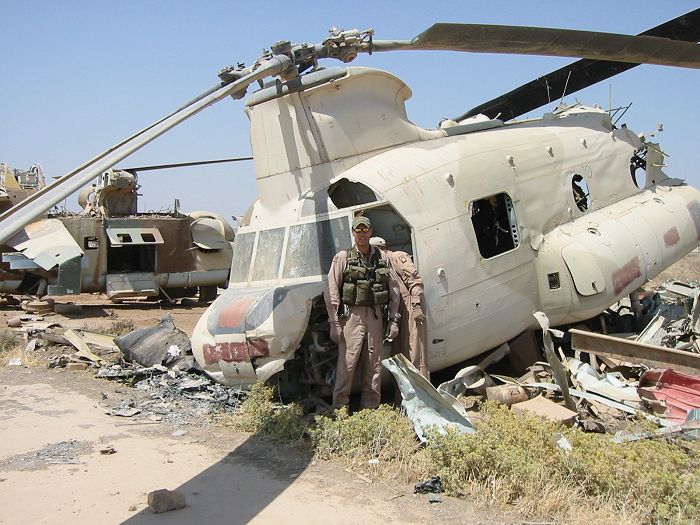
{"points": [[311, 246], [310, 250]]}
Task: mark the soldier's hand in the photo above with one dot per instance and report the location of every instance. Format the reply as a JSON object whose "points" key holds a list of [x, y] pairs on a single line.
{"points": [[418, 314], [392, 331], [336, 332]]}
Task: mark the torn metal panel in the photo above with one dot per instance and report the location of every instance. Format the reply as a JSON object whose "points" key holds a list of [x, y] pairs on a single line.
{"points": [[254, 331], [689, 428], [424, 405], [681, 289], [554, 362], [161, 344], [605, 401], [695, 313], [600, 344], [670, 393], [19, 261], [610, 385], [47, 243], [469, 378], [82, 347], [653, 332]]}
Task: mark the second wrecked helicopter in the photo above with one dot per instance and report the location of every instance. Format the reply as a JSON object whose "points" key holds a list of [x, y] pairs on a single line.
{"points": [[564, 214]]}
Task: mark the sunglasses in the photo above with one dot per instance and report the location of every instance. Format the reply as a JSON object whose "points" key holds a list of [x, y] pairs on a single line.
{"points": [[361, 229]]}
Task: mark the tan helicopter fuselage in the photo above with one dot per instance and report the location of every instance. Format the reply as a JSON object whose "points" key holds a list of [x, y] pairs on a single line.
{"points": [[501, 219]]}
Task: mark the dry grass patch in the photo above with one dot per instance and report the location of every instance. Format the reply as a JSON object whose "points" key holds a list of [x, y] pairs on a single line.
{"points": [[12, 346], [9, 345], [512, 459]]}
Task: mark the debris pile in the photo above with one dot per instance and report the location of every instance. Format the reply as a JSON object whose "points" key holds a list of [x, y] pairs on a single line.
{"points": [[156, 361], [609, 380]]}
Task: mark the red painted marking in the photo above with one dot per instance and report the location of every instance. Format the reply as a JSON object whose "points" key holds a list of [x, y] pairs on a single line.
{"points": [[234, 314], [671, 237], [235, 351], [625, 275], [694, 210]]}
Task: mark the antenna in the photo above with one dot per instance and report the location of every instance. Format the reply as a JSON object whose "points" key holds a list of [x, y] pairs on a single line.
{"points": [[565, 86]]}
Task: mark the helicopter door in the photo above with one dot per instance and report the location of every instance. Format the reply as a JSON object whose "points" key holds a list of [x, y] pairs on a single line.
{"points": [[389, 225], [131, 261]]}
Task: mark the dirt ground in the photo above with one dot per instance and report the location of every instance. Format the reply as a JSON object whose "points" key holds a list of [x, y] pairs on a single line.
{"points": [[55, 465], [52, 469], [55, 439]]}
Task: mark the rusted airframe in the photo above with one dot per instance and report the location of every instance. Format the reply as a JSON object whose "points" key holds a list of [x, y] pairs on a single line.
{"points": [[109, 247]]}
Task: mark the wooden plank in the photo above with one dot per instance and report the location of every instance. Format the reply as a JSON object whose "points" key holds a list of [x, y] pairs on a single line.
{"points": [[658, 356]]}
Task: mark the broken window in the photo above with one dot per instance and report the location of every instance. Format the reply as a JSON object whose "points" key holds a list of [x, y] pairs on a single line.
{"points": [[91, 243], [580, 191], [495, 226], [242, 253], [131, 258], [268, 254], [345, 194], [637, 162], [311, 246]]}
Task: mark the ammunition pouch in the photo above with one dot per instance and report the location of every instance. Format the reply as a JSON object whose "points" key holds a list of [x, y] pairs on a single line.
{"points": [[365, 285]]}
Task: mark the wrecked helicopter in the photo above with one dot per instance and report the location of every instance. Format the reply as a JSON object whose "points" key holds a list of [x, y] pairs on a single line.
{"points": [[110, 247], [565, 214]]}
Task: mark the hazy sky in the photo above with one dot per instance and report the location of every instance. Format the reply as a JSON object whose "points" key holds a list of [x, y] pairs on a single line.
{"points": [[79, 76]]}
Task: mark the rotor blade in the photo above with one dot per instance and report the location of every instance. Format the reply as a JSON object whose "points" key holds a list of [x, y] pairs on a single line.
{"points": [[577, 75], [35, 205], [184, 164], [480, 38]]}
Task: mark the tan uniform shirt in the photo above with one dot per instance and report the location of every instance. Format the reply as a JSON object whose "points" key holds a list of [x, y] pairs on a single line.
{"points": [[412, 340]]}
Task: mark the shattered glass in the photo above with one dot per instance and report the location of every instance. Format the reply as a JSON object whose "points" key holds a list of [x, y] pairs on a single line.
{"points": [[268, 254], [242, 253], [311, 246]]}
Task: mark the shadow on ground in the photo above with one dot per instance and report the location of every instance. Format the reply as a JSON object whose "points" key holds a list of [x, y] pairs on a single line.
{"points": [[237, 488]]}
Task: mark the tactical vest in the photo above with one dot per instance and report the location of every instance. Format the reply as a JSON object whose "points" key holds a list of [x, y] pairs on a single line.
{"points": [[365, 284]]}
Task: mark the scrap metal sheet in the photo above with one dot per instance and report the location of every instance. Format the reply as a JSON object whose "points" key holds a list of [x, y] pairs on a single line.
{"points": [[425, 406], [47, 243]]}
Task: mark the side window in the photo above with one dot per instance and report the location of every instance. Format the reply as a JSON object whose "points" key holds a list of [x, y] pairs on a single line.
{"points": [[494, 224], [581, 192], [242, 253]]}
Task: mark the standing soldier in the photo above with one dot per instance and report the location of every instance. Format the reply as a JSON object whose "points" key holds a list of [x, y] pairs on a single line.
{"points": [[413, 332], [358, 286]]}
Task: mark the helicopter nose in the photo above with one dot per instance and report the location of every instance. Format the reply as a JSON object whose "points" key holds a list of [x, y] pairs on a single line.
{"points": [[246, 335]]}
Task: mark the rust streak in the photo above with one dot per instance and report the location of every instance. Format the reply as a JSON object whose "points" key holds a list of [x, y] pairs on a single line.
{"points": [[625, 275], [671, 237]]}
